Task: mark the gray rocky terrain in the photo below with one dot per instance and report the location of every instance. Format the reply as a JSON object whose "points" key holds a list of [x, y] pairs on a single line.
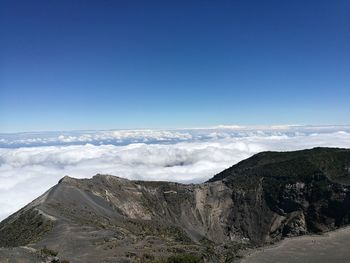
{"points": [[256, 202], [330, 247]]}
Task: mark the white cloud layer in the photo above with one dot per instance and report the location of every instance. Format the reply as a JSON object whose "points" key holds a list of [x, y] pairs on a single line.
{"points": [[124, 137], [178, 155]]}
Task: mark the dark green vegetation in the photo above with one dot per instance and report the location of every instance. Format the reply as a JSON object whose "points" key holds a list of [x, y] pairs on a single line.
{"points": [[178, 258], [48, 252], [332, 162], [258, 201], [185, 258], [26, 227]]}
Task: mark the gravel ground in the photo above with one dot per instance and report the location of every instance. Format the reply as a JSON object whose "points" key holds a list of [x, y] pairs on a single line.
{"points": [[331, 247]]}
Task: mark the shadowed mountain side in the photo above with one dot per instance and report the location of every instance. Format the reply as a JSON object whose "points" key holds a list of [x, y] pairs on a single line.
{"points": [[258, 201]]}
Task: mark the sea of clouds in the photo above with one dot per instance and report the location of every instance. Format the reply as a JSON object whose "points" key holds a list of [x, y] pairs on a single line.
{"points": [[30, 163]]}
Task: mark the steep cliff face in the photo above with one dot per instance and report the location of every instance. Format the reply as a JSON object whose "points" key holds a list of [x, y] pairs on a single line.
{"points": [[290, 193], [260, 200]]}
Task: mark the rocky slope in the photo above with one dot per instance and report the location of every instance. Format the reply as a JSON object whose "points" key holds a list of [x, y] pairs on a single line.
{"points": [[257, 201]]}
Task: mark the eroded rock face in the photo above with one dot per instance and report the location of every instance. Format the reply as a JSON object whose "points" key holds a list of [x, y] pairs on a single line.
{"points": [[260, 200], [288, 194]]}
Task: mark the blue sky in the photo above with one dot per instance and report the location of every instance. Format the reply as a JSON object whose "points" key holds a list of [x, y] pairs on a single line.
{"points": [[67, 65]]}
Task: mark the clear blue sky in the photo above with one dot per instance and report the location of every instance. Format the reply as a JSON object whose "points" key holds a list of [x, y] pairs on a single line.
{"points": [[126, 64]]}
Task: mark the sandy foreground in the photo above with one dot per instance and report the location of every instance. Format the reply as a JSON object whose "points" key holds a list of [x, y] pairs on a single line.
{"points": [[332, 247]]}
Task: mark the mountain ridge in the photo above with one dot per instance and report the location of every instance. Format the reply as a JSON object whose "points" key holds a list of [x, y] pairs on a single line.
{"points": [[258, 201]]}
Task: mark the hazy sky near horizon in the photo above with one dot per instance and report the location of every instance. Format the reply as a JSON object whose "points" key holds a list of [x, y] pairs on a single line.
{"points": [[67, 65]]}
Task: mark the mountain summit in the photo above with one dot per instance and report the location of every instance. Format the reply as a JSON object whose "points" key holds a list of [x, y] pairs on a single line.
{"points": [[258, 201]]}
